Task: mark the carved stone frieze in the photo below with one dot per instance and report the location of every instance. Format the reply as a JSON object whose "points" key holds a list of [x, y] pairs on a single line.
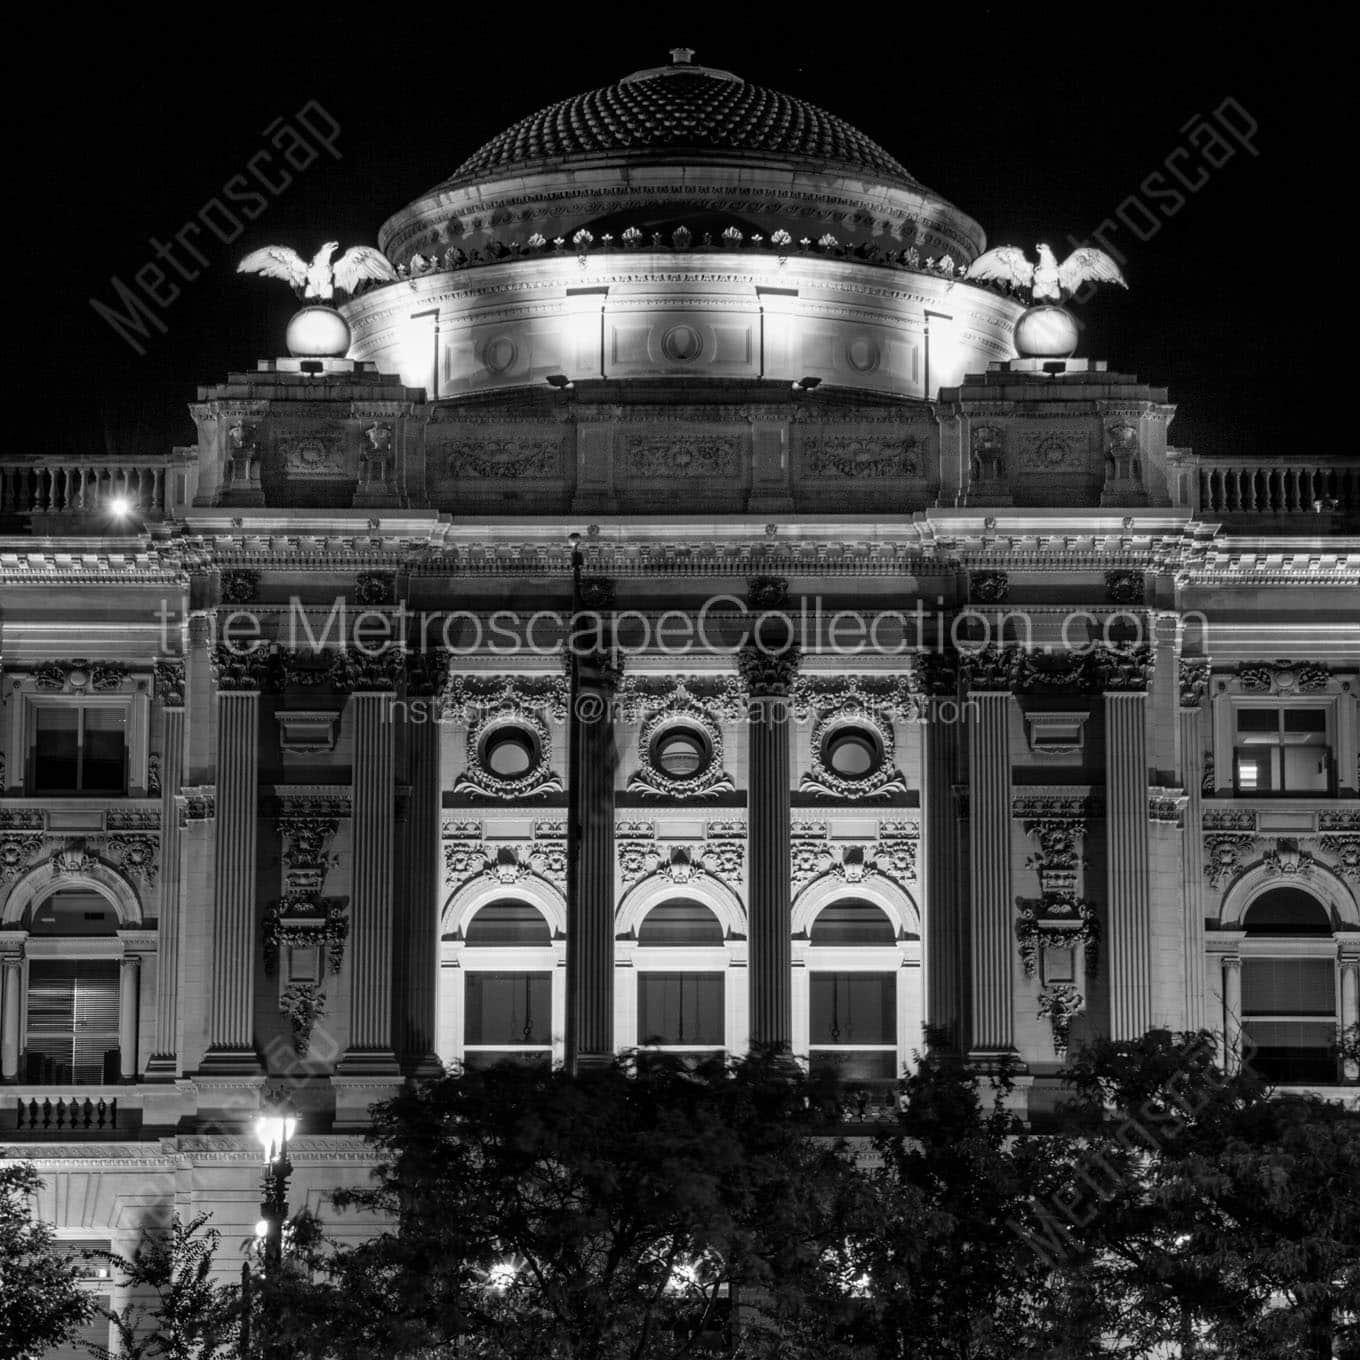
{"points": [[989, 587], [1051, 451], [375, 588], [844, 455], [1226, 854], [239, 586], [18, 851], [1125, 587], [312, 456], [137, 855], [522, 456], [467, 855], [1287, 859], [1345, 850], [80, 676], [673, 456], [1282, 677]]}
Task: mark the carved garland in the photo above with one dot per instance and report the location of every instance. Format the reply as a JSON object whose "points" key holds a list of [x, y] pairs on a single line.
{"points": [[1059, 921], [481, 782], [653, 781], [881, 781], [1059, 1004]]}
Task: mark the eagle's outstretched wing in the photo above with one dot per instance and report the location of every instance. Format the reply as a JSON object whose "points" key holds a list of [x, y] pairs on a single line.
{"points": [[1004, 263], [362, 262], [1088, 263], [276, 262]]}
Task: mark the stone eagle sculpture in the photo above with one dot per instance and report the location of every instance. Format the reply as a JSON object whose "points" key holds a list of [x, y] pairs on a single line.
{"points": [[1047, 280], [320, 279]]}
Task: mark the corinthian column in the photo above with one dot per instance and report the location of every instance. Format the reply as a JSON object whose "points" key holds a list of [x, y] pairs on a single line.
{"points": [[231, 1048], [1126, 851], [590, 902], [1194, 680], [768, 669], [11, 975], [373, 682], [164, 1060], [988, 684]]}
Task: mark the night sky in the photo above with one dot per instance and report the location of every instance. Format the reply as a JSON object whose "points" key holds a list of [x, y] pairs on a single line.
{"points": [[1036, 123]]}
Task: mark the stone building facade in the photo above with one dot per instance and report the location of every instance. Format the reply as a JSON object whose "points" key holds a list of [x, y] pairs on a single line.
{"points": [[1066, 743]]}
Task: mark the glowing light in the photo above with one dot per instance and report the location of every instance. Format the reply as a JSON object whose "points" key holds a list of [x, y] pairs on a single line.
{"points": [[262, 1229], [120, 506], [273, 1130], [501, 1276]]}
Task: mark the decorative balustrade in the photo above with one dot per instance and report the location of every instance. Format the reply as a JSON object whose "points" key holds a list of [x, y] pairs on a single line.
{"points": [[152, 487], [66, 1114], [1320, 485]]}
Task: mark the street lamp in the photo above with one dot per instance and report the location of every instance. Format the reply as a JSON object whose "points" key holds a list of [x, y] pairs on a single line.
{"points": [[274, 1126]]}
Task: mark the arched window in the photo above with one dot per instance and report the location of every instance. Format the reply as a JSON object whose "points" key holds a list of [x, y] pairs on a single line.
{"points": [[507, 1011], [852, 1006], [852, 922], [1288, 994], [680, 923], [72, 1009], [681, 996]]}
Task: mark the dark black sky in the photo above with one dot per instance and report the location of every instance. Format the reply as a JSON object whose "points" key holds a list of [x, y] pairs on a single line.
{"points": [[1039, 121]]}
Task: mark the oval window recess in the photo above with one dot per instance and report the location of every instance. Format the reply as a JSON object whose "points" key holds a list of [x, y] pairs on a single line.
{"points": [[509, 752], [852, 752], [863, 354], [682, 343], [681, 751], [500, 354]]}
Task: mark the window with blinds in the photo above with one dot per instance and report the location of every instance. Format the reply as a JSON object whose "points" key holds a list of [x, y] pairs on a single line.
{"points": [[1280, 997], [72, 1021], [681, 1010], [507, 1017], [852, 1025]]}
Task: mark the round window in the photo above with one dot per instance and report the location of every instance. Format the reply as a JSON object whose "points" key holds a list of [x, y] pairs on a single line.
{"points": [[852, 752], [681, 751], [509, 752]]}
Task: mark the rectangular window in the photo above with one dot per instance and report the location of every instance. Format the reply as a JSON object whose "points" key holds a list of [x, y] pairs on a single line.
{"points": [[72, 1021], [1279, 999], [852, 1026], [1282, 751], [78, 748], [681, 1010], [508, 1010]]}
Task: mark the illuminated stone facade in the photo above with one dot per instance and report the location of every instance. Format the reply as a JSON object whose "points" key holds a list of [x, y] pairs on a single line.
{"points": [[1069, 704]]}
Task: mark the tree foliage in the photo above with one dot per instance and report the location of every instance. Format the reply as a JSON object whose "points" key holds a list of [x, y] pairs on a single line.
{"points": [[41, 1302], [601, 1217], [180, 1312]]}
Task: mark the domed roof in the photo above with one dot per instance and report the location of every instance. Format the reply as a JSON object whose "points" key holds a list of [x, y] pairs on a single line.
{"points": [[683, 110]]}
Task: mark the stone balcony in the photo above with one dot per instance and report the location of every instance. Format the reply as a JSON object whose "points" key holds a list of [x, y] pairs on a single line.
{"points": [[1323, 489], [56, 494]]}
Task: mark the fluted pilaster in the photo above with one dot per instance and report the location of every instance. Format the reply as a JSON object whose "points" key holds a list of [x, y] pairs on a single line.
{"points": [[231, 1010], [989, 842], [1232, 1013], [164, 1060], [370, 1049], [1127, 895]]}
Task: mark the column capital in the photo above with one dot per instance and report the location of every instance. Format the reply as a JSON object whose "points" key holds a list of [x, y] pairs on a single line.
{"points": [[361, 672], [768, 675], [1193, 679], [169, 682], [240, 670], [1123, 670]]}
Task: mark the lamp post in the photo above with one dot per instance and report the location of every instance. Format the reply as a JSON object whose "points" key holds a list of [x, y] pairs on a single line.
{"points": [[274, 1126]]}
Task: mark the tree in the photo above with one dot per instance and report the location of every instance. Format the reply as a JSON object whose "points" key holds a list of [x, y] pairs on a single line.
{"points": [[1225, 1217], [602, 1217], [192, 1317], [41, 1302], [949, 1269]]}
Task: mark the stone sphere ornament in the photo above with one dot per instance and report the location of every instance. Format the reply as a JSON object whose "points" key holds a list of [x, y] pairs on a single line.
{"points": [[1046, 332], [318, 333]]}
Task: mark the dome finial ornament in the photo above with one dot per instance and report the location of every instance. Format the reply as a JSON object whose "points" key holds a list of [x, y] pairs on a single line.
{"points": [[1047, 330], [682, 56]]}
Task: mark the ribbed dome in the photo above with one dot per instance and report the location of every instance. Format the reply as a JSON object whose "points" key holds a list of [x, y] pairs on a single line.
{"points": [[683, 109]]}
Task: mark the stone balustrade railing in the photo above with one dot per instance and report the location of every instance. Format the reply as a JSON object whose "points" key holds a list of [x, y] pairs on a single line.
{"points": [[153, 487], [36, 1111], [1326, 484]]}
